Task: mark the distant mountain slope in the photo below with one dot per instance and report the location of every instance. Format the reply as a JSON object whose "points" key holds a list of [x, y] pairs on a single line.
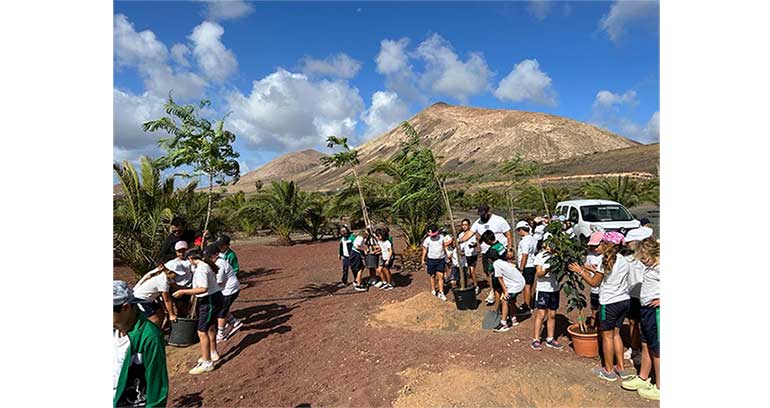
{"points": [[286, 167]]}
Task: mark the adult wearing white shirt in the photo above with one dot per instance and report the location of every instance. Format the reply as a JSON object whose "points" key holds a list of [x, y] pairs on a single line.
{"points": [[502, 230]]}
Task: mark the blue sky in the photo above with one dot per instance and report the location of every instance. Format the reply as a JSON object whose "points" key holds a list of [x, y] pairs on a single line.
{"points": [[292, 73]]}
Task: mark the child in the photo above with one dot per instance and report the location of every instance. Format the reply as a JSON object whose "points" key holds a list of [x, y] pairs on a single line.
{"points": [[614, 301], [636, 272], [386, 258], [356, 259], [526, 262], [373, 248], [458, 261], [489, 238], [346, 246], [227, 253], [649, 322], [226, 280], [594, 259], [546, 301], [149, 289], [210, 301], [434, 257], [469, 246], [511, 283], [182, 279]]}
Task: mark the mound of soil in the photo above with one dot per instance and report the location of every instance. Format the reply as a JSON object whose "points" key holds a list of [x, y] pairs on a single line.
{"points": [[425, 312]]}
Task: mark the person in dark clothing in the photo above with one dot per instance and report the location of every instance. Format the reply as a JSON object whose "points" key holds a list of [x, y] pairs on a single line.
{"points": [[178, 232]]}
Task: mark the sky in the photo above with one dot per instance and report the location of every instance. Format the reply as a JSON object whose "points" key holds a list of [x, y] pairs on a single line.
{"points": [[288, 74]]}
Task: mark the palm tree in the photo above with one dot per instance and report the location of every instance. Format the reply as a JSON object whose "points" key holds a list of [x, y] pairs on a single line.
{"points": [[534, 197], [623, 190], [315, 209], [142, 212], [281, 208]]}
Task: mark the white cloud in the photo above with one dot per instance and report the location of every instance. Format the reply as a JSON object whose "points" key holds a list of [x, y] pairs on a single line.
{"points": [[340, 65], [392, 57], [527, 82], [624, 14], [216, 61], [289, 111], [606, 99], [227, 10], [129, 113], [143, 51], [649, 133], [446, 74], [539, 8], [385, 112], [179, 54]]}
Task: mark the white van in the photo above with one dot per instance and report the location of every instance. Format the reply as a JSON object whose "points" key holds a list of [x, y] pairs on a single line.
{"points": [[588, 216]]}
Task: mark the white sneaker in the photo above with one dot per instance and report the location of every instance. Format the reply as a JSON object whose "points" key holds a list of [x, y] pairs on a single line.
{"points": [[378, 284], [477, 290], [491, 297], [434, 292], [388, 286], [202, 367], [214, 357], [627, 354], [442, 296], [221, 337]]}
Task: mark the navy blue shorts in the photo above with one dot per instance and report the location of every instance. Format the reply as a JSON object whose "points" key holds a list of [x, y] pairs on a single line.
{"points": [[529, 275], [611, 316], [356, 263], [208, 310], [547, 300], [594, 301], [149, 309], [227, 302], [633, 310], [650, 324], [472, 260], [435, 265]]}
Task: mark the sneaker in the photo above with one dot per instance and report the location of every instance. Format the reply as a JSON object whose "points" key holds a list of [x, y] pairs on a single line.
{"points": [[634, 383], [202, 367], [501, 327], [388, 286], [214, 357], [603, 374], [359, 288], [513, 322], [627, 354], [623, 374], [491, 298], [434, 292], [554, 344], [221, 337], [378, 284], [477, 290], [442, 296], [536, 345], [650, 392]]}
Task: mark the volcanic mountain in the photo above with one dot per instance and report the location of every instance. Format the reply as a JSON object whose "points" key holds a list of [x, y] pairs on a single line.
{"points": [[464, 139]]}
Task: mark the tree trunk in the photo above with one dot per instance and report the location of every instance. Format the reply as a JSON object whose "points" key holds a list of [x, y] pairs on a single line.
{"points": [[208, 212], [454, 233], [364, 212], [542, 195]]}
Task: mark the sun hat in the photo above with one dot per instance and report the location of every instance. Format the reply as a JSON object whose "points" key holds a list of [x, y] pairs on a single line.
{"points": [[522, 224], [122, 294], [613, 237], [596, 238], [638, 234], [181, 244]]}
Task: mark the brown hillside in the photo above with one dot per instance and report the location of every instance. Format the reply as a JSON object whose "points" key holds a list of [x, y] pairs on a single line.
{"points": [[641, 158], [286, 167], [476, 139]]}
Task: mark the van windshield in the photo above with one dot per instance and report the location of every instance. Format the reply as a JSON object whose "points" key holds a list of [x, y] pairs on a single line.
{"points": [[604, 213]]}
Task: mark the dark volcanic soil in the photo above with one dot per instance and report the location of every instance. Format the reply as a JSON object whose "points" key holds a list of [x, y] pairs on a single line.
{"points": [[304, 341]]}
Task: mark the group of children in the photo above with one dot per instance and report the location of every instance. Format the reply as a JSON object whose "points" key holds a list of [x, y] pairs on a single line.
{"points": [[355, 248], [206, 278]]}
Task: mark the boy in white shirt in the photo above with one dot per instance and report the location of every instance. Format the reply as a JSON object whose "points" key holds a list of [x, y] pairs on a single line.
{"points": [[227, 324], [434, 258], [512, 283], [526, 262], [356, 259], [386, 258], [546, 301]]}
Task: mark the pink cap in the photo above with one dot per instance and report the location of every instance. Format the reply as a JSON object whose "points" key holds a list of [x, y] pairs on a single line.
{"points": [[596, 238], [181, 244], [613, 237], [433, 234]]}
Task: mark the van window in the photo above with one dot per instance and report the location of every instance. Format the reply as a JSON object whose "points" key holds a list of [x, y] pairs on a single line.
{"points": [[603, 213], [573, 215], [562, 210]]}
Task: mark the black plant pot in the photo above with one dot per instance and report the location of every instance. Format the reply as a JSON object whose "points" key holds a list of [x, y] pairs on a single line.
{"points": [[184, 332], [372, 260], [465, 299]]}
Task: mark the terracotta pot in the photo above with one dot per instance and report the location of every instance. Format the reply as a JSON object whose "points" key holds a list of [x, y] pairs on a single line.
{"points": [[585, 344]]}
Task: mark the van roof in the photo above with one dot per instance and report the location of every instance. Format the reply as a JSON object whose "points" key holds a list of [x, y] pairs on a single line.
{"points": [[580, 203]]}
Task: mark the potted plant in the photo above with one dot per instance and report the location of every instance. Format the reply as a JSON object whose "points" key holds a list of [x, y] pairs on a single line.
{"points": [[566, 250]]}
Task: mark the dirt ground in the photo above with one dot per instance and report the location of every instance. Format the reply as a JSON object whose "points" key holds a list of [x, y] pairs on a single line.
{"points": [[305, 342]]}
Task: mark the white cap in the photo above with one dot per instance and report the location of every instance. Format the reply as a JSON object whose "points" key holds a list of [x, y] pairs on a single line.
{"points": [[638, 234], [175, 267], [522, 224]]}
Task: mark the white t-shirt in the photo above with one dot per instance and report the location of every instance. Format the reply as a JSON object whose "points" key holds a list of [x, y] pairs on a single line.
{"points": [[514, 280], [358, 243], [635, 275], [387, 249], [538, 233], [614, 287], [466, 246], [595, 260], [650, 285], [226, 276], [344, 243], [453, 257], [528, 246], [204, 277], [435, 246], [149, 289], [547, 283], [496, 224], [183, 271]]}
